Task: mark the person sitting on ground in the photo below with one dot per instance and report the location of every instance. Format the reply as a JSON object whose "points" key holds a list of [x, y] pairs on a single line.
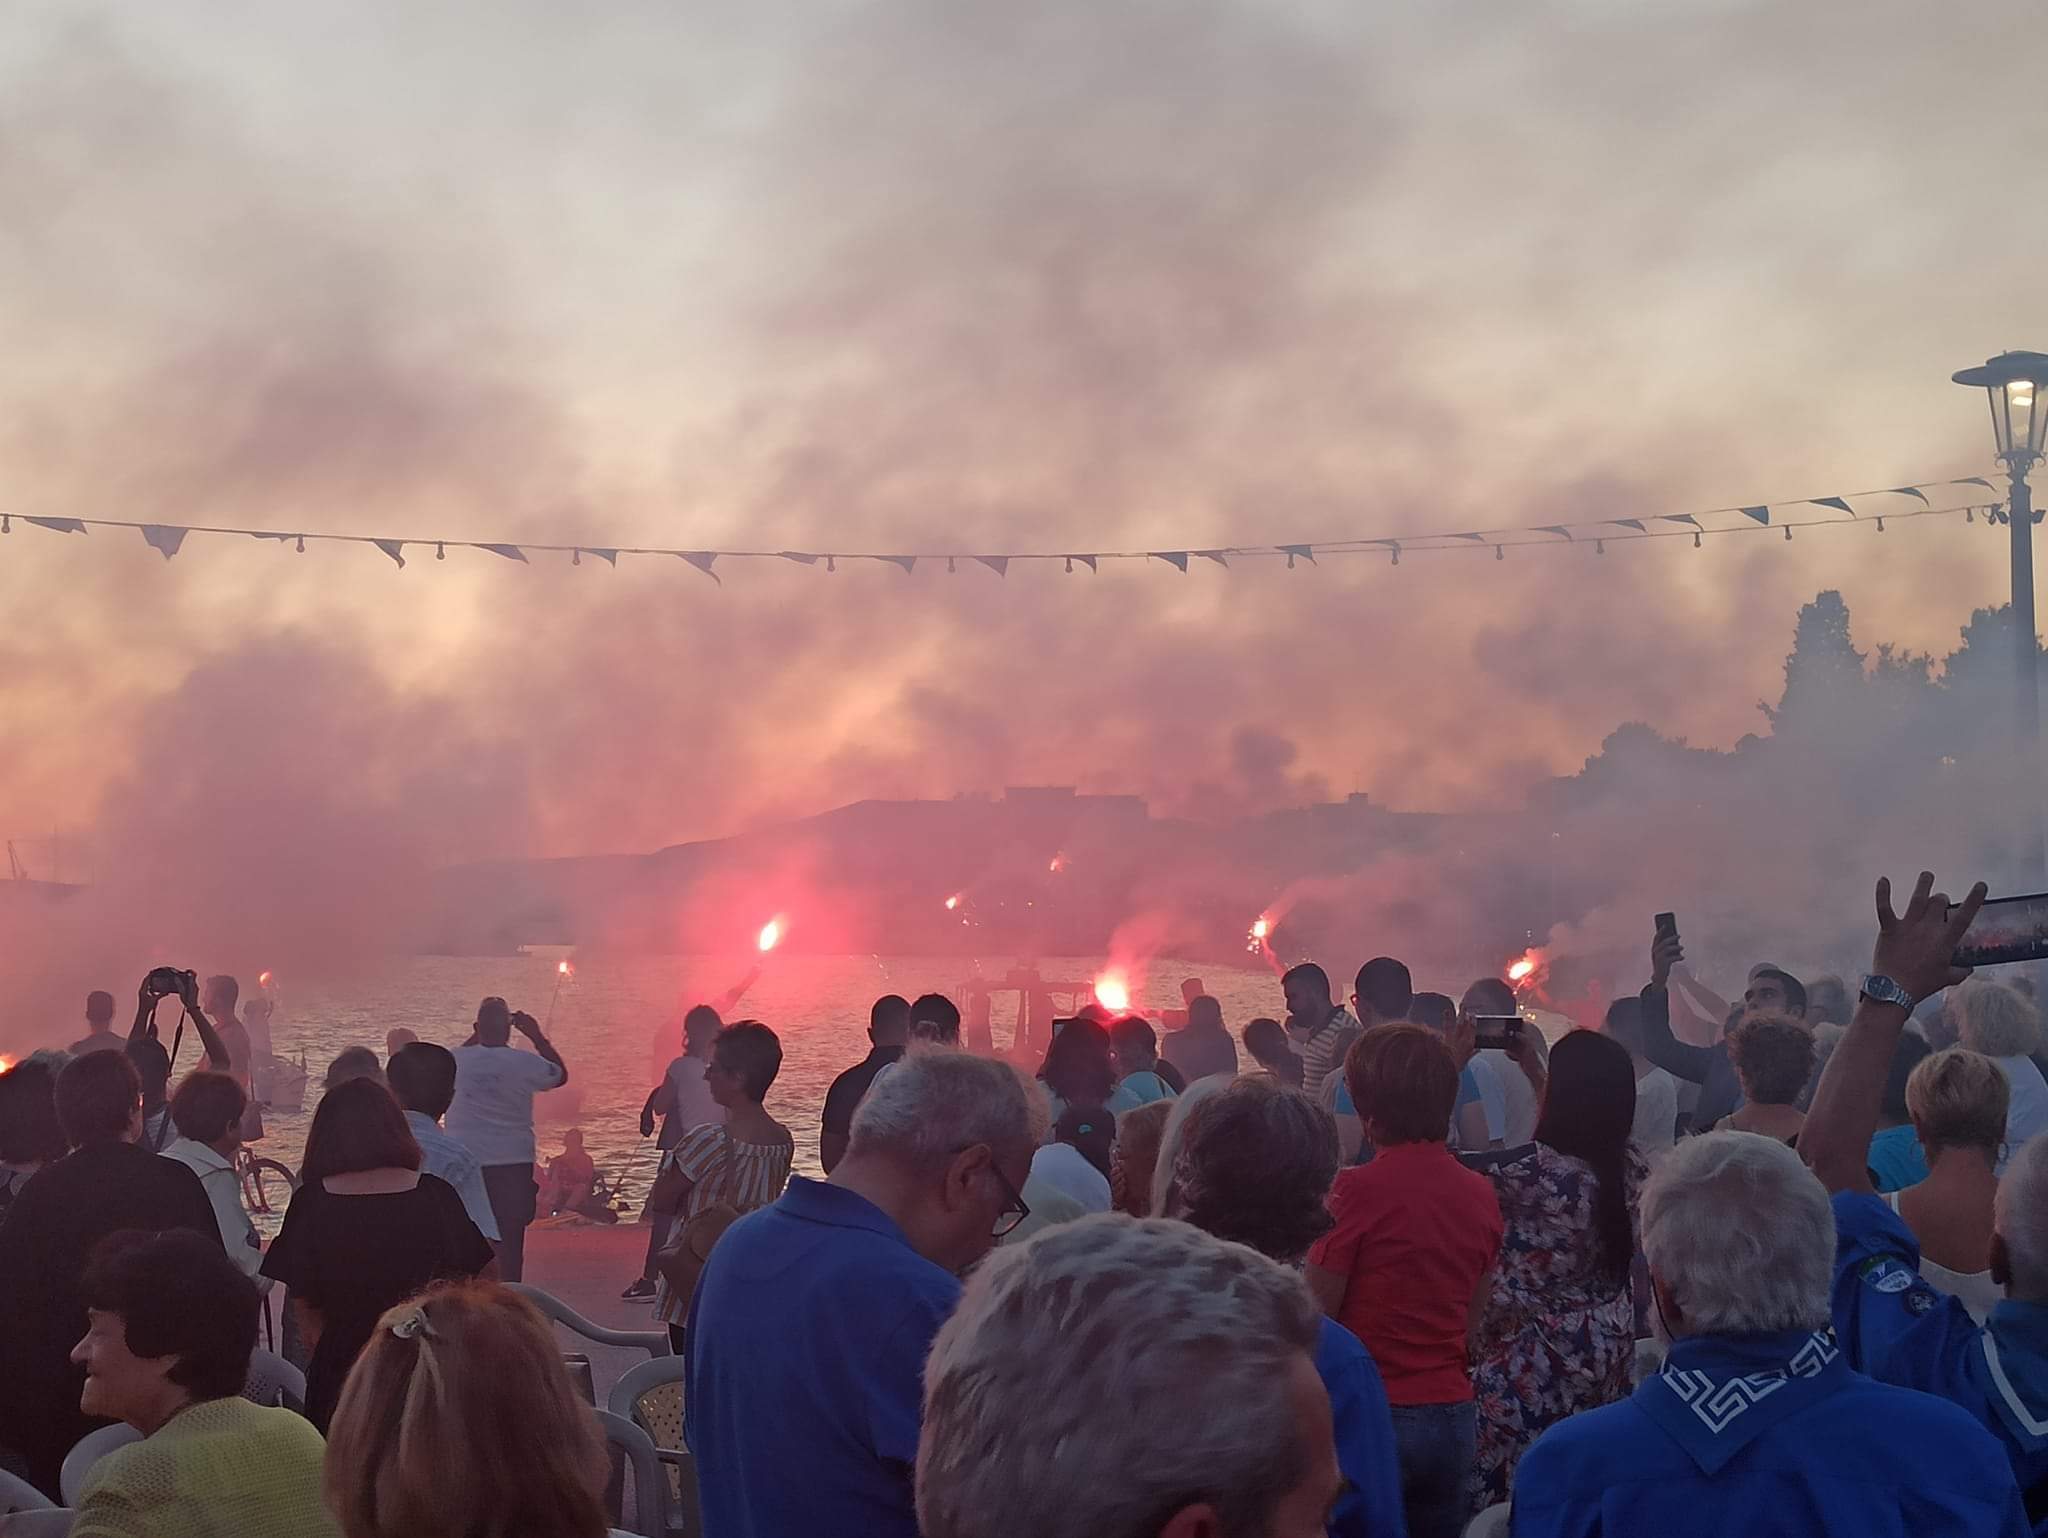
{"points": [[1316, 1026], [738, 1165], [492, 1116], [1078, 1159], [1758, 1425], [1889, 1321], [31, 1136], [460, 1421], [207, 1112], [1254, 1167], [888, 1034], [1896, 1158], [171, 1325], [1957, 1100], [1203, 1046], [352, 1063], [1655, 1128], [1772, 1060], [421, 1076], [1266, 1040], [1140, 1073], [1142, 1380], [107, 1183], [1135, 1159], [1409, 1265], [364, 1230], [1080, 1069], [1771, 994], [1557, 1333], [684, 1102], [815, 1315], [571, 1180], [100, 1035], [2004, 1025]]}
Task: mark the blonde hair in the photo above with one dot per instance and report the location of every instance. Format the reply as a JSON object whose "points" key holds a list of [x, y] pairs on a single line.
{"points": [[1959, 1099], [1993, 1019], [459, 1421]]}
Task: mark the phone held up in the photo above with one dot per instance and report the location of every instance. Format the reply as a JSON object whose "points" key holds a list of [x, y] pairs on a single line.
{"points": [[2006, 929], [1497, 1033]]}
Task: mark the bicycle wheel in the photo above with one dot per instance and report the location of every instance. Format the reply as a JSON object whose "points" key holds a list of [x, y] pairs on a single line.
{"points": [[255, 1183]]}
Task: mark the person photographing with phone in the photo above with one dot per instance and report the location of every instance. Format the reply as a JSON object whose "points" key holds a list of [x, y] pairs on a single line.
{"points": [[153, 1064], [492, 1116]]}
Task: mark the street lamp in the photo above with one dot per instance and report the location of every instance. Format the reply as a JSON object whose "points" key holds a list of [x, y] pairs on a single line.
{"points": [[2016, 384]]}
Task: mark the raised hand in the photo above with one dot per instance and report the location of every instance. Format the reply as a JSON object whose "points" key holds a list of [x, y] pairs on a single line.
{"points": [[1917, 949]]}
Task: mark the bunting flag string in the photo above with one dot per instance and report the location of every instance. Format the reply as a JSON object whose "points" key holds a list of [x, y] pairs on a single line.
{"points": [[168, 540]]}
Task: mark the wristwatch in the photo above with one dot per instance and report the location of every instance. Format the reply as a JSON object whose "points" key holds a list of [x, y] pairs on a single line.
{"points": [[1882, 990]]}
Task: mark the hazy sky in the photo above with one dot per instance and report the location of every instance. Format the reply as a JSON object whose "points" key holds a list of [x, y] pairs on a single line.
{"points": [[1064, 274]]}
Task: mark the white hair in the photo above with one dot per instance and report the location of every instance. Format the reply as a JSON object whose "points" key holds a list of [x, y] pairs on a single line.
{"points": [[1993, 1019], [2021, 1219], [1175, 1133], [1741, 1235], [1102, 1372], [934, 1102]]}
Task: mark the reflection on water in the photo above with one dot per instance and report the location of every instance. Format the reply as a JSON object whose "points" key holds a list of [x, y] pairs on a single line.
{"points": [[615, 1023]]}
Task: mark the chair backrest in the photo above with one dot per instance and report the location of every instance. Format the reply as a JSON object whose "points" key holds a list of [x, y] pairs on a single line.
{"points": [[650, 1395], [1490, 1523], [17, 1494], [92, 1447], [274, 1381], [50, 1522], [653, 1342], [650, 1484]]}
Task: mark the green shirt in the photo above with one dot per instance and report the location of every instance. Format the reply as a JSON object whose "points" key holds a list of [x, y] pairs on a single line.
{"points": [[223, 1468]]}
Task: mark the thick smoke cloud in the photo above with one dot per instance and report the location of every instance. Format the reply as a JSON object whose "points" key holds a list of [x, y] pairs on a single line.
{"points": [[1064, 275]]}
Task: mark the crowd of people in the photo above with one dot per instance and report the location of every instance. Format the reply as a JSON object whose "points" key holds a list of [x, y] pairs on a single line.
{"points": [[1777, 1266]]}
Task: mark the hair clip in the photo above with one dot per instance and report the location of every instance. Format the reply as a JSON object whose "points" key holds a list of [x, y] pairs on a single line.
{"points": [[411, 1322]]}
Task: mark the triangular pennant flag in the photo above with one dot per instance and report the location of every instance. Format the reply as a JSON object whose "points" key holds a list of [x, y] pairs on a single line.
{"points": [[1214, 555], [1761, 514], [1974, 480], [163, 538], [261, 534], [1555, 528], [907, 562], [1086, 560], [1909, 491], [609, 557], [801, 557], [1679, 518], [509, 552], [1831, 502], [1174, 558], [1479, 538], [999, 564], [702, 559], [395, 548], [58, 525], [1306, 552], [1629, 523]]}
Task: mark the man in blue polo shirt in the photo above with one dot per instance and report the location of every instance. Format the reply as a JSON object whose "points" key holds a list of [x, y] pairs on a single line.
{"points": [[808, 1334], [1890, 1322]]}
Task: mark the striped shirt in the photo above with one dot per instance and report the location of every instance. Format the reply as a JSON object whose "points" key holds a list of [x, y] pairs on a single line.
{"points": [[721, 1168], [1319, 1048]]}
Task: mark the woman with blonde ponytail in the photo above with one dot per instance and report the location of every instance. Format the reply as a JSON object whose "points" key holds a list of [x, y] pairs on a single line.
{"points": [[459, 1420]]}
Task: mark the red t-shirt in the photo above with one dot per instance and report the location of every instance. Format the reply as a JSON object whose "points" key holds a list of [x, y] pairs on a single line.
{"points": [[1415, 1232]]}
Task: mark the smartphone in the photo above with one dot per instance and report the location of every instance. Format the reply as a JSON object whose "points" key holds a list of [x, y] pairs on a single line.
{"points": [[1667, 924], [2006, 929], [1495, 1033]]}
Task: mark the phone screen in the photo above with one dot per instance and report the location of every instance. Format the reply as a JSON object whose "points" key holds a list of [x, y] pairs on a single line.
{"points": [[1493, 1033], [2006, 929]]}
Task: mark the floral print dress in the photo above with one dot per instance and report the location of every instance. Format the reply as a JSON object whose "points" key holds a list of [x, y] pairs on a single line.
{"points": [[1558, 1336]]}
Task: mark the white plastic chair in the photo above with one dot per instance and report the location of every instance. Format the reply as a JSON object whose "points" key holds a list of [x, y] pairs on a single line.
{"points": [[650, 1395], [650, 1479], [274, 1381], [653, 1342], [1490, 1523], [92, 1447], [17, 1494], [49, 1522]]}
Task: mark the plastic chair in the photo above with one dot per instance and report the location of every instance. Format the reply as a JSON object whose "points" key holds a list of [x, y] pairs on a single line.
{"points": [[92, 1447], [49, 1522], [653, 1342], [274, 1381], [651, 1397], [1490, 1523], [650, 1483], [17, 1494]]}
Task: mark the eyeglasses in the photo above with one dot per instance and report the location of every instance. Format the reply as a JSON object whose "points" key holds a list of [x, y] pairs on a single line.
{"points": [[1014, 1209]]}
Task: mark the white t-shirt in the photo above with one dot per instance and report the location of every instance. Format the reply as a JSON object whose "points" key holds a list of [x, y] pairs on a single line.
{"points": [[1521, 1107], [492, 1115], [1066, 1168], [694, 1105], [1656, 1125], [2026, 1115]]}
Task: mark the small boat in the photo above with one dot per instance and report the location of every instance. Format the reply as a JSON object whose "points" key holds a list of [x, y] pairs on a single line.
{"points": [[280, 1084]]}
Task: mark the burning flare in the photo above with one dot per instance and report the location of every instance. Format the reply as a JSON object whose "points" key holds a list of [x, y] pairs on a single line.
{"points": [[952, 902], [1520, 971], [6, 1062], [563, 968], [1112, 993], [263, 979], [1261, 929], [771, 935], [1059, 863]]}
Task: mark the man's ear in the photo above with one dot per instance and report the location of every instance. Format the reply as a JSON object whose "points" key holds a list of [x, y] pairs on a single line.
{"points": [[964, 1171], [2001, 1261], [1197, 1521]]}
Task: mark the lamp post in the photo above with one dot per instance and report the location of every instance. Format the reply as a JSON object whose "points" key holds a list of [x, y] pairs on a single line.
{"points": [[2016, 383]]}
